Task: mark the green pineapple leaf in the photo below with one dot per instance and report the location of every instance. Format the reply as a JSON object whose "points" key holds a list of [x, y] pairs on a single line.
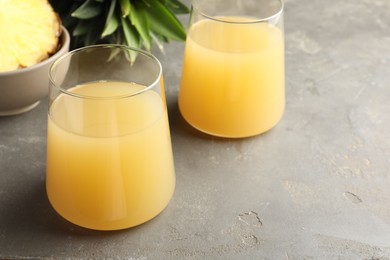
{"points": [[176, 6], [132, 37], [136, 23], [125, 7], [88, 10], [93, 35], [112, 22], [139, 19], [82, 27], [163, 21]]}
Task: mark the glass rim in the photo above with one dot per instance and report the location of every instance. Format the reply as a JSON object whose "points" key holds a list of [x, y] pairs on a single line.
{"points": [[105, 46], [251, 21]]}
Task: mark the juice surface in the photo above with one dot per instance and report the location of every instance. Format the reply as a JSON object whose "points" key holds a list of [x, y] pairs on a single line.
{"points": [[233, 77], [109, 161]]}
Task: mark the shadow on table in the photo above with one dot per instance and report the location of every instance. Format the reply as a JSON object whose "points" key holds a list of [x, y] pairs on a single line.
{"points": [[29, 212]]}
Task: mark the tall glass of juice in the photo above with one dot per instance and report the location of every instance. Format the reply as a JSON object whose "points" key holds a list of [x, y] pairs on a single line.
{"points": [[109, 154], [233, 71]]}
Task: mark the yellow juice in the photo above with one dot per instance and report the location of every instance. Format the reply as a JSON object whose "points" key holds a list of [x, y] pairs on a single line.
{"points": [[109, 161], [233, 77]]}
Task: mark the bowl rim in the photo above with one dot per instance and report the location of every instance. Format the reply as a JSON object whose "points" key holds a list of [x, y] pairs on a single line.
{"points": [[64, 39]]}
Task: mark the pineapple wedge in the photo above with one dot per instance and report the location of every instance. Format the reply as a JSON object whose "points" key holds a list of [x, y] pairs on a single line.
{"points": [[29, 32]]}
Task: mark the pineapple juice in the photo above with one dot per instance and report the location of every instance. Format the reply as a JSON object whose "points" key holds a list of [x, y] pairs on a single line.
{"points": [[233, 77], [109, 166]]}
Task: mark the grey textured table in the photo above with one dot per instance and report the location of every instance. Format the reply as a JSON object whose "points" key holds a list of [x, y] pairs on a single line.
{"points": [[315, 187]]}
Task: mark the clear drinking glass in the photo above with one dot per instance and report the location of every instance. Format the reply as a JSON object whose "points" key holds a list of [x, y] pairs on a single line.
{"points": [[233, 72], [109, 155]]}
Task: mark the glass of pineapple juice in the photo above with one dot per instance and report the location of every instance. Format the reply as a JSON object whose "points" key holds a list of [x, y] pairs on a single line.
{"points": [[109, 154], [232, 81]]}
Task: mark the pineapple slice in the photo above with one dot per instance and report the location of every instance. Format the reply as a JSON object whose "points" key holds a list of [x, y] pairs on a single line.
{"points": [[29, 32]]}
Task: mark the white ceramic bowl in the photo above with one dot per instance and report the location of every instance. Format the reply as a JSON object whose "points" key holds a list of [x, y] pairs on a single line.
{"points": [[21, 90]]}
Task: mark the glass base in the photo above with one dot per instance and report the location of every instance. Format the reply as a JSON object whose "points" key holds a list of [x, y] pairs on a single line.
{"points": [[231, 135]]}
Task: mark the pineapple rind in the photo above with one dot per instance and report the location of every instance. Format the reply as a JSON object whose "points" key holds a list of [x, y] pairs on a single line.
{"points": [[29, 32]]}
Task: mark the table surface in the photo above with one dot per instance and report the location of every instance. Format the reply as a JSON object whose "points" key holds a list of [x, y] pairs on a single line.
{"points": [[314, 187]]}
